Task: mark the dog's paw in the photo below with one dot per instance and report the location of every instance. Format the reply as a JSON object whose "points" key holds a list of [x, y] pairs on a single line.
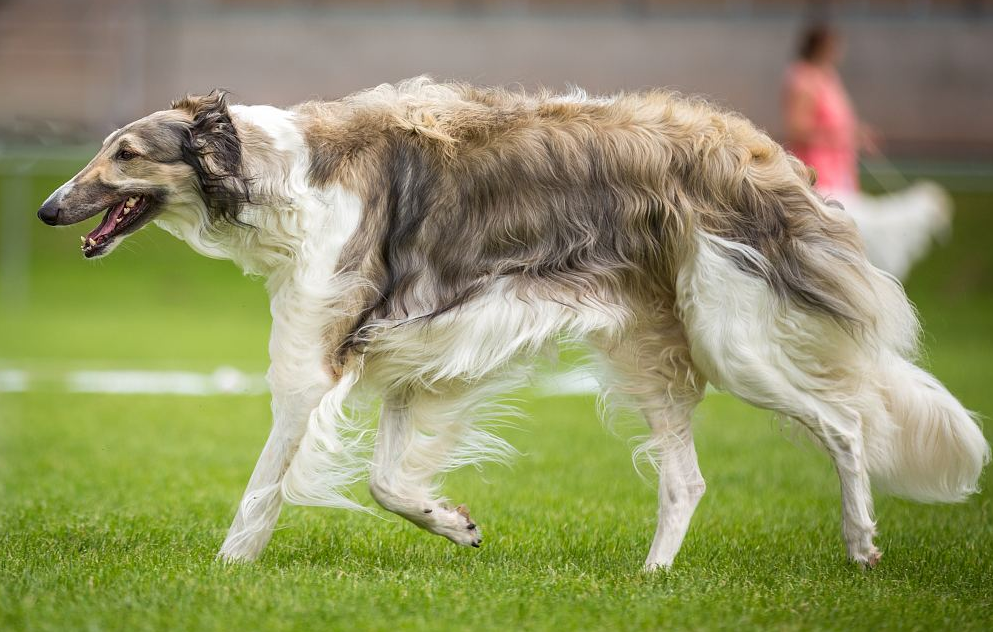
{"points": [[235, 557], [868, 558], [874, 558], [242, 546], [455, 524]]}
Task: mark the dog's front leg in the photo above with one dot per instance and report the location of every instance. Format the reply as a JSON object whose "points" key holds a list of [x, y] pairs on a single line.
{"points": [[261, 503], [297, 379]]}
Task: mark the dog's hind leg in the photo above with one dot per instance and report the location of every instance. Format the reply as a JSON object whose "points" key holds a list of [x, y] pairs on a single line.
{"points": [[764, 350], [651, 369], [422, 434]]}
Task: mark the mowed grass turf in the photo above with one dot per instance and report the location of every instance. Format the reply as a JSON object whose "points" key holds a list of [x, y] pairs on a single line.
{"points": [[112, 507]]}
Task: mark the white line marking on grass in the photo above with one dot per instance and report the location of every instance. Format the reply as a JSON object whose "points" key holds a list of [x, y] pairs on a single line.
{"points": [[576, 382], [13, 381], [224, 380]]}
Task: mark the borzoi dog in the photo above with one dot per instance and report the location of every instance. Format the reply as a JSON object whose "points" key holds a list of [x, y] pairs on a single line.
{"points": [[425, 240]]}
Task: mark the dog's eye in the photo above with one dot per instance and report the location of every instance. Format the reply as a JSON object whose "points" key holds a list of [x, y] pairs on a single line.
{"points": [[126, 154]]}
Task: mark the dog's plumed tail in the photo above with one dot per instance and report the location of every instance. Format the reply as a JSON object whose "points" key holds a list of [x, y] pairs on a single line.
{"points": [[812, 330], [933, 450], [920, 442]]}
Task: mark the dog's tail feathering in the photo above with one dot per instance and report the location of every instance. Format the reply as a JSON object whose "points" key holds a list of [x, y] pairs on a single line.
{"points": [[920, 442], [934, 451]]}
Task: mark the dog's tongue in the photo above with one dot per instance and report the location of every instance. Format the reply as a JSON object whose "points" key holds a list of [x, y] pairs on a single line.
{"points": [[108, 223]]}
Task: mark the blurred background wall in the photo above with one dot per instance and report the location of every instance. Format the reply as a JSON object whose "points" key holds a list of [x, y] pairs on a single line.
{"points": [[70, 71]]}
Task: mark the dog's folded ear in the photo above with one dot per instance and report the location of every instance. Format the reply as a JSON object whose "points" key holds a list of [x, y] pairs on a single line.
{"points": [[212, 148]]}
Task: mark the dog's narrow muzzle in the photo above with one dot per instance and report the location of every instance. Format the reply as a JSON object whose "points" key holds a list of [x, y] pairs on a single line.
{"points": [[68, 205]]}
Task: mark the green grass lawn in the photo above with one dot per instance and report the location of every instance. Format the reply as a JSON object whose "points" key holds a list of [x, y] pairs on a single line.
{"points": [[112, 507]]}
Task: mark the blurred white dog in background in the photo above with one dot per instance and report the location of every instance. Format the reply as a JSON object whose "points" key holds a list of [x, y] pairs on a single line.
{"points": [[899, 228]]}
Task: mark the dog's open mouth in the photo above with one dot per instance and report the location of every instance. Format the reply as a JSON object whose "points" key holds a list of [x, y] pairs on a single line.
{"points": [[114, 223]]}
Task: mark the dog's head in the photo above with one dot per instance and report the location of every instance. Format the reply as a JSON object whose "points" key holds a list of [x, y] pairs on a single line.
{"points": [[184, 160]]}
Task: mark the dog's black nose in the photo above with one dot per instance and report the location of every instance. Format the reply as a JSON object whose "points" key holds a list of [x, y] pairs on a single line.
{"points": [[49, 212]]}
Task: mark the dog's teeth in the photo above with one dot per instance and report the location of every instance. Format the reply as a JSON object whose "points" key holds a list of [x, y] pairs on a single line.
{"points": [[118, 220], [131, 202], [126, 210], [82, 238], [91, 241]]}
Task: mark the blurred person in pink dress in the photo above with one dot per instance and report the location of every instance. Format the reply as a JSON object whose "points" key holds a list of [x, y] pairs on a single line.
{"points": [[824, 131], [822, 127]]}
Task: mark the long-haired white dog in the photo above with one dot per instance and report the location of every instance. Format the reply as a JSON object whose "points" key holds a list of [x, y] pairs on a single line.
{"points": [[424, 240]]}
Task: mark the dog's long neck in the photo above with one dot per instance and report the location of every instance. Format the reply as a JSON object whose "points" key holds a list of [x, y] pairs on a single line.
{"points": [[286, 215]]}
